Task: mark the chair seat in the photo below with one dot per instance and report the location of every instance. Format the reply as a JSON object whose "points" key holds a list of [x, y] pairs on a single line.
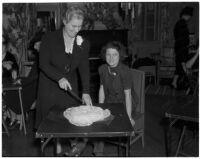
{"points": [[139, 120]]}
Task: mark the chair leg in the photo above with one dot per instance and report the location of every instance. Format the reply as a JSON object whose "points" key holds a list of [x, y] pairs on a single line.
{"points": [[164, 90], [24, 124], [180, 141], [158, 89], [21, 124], [143, 139], [147, 88], [22, 112], [5, 127]]}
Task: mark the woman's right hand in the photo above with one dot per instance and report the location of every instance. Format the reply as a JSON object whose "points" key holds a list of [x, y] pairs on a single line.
{"points": [[64, 84]]}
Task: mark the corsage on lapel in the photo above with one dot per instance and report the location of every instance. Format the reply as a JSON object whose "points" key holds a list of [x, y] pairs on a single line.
{"points": [[79, 40]]}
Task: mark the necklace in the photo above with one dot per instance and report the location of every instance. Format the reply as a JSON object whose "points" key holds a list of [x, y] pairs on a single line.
{"points": [[112, 73], [68, 44]]}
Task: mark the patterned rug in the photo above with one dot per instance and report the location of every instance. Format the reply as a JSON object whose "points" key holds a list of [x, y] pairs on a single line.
{"points": [[164, 90]]}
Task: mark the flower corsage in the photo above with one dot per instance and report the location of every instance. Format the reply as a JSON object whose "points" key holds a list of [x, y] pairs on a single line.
{"points": [[79, 40]]}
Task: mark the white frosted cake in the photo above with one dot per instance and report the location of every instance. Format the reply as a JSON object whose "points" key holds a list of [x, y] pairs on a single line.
{"points": [[85, 115]]}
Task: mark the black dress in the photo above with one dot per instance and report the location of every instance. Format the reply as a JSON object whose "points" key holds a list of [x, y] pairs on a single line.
{"points": [[54, 64], [181, 35], [115, 81]]}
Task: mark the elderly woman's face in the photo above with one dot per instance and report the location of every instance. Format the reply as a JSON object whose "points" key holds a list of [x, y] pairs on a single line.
{"points": [[73, 26], [112, 57]]}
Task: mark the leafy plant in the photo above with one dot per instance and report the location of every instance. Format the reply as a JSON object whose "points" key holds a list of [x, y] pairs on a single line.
{"points": [[17, 26]]}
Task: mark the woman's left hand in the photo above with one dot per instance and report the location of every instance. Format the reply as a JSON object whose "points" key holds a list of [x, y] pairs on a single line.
{"points": [[132, 121], [87, 99]]}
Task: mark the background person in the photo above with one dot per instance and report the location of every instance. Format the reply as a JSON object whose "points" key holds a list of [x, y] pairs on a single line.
{"points": [[181, 47]]}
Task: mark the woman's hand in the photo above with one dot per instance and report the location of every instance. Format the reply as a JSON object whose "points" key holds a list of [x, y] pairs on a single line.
{"points": [[64, 84], [7, 65], [132, 121], [86, 99]]}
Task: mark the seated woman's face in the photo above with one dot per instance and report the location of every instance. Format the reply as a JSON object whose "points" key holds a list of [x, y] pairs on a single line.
{"points": [[112, 57]]}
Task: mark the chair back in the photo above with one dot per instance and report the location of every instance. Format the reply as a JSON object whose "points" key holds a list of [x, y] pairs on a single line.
{"points": [[28, 92], [11, 100], [138, 79]]}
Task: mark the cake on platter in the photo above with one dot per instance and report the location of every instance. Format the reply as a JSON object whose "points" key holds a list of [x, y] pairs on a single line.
{"points": [[85, 115]]}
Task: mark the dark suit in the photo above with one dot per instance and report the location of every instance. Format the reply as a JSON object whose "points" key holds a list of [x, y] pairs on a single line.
{"points": [[55, 64], [181, 35]]}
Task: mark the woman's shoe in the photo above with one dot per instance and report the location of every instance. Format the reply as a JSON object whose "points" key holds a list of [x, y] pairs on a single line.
{"points": [[76, 150]]}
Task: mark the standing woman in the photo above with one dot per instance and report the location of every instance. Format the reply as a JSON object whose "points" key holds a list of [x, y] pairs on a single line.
{"points": [[115, 82], [181, 35], [61, 53]]}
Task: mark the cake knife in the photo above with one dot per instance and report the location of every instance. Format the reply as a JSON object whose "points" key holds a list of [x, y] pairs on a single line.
{"points": [[75, 95]]}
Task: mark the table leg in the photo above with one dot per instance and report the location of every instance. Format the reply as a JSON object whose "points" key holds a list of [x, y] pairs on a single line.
{"points": [[43, 144], [56, 146], [42, 152], [128, 147]]}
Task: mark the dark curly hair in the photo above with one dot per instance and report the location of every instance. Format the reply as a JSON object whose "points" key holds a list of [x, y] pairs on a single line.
{"points": [[114, 45]]}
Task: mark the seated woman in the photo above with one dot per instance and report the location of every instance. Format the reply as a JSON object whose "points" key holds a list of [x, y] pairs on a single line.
{"points": [[9, 63], [9, 71], [115, 82]]}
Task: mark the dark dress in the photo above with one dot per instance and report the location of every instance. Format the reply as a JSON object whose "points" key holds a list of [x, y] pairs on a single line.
{"points": [[8, 73], [54, 64], [115, 82], [181, 35]]}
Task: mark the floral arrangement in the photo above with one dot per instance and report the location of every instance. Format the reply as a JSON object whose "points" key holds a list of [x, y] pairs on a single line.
{"points": [[79, 40], [100, 12], [18, 27]]}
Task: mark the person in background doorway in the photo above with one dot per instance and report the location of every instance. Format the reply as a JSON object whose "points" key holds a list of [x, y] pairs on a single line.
{"points": [[181, 47]]}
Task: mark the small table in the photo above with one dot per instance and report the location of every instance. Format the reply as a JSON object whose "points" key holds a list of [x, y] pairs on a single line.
{"points": [[55, 125], [185, 109]]}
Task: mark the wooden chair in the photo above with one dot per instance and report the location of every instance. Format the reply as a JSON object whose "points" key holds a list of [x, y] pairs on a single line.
{"points": [[150, 73], [138, 79], [20, 99]]}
